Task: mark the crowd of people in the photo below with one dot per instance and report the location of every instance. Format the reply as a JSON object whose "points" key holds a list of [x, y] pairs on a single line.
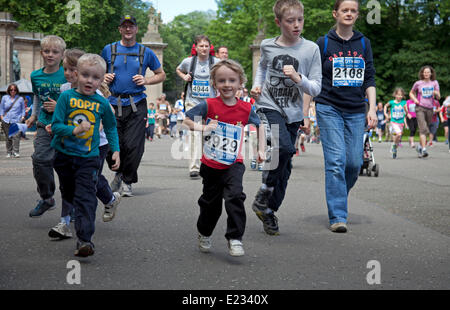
{"points": [[93, 109]]}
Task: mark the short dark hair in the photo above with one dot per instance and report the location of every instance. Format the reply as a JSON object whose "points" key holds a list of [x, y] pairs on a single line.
{"points": [[202, 37], [8, 90]]}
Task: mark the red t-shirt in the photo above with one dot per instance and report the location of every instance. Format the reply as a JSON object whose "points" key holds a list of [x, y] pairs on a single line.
{"points": [[237, 115]]}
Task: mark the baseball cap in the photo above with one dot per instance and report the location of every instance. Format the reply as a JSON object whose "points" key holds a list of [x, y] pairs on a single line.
{"points": [[128, 18]]}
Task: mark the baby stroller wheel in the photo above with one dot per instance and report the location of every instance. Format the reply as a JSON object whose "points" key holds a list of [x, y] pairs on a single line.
{"points": [[377, 171]]}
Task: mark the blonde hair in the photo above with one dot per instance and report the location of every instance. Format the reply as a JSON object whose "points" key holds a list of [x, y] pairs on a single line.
{"points": [[71, 56], [52, 40], [92, 60], [281, 6], [231, 64]]}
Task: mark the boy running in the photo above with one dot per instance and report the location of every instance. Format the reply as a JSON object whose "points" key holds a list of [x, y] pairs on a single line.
{"points": [[76, 126], [46, 88], [289, 67], [397, 118], [222, 167]]}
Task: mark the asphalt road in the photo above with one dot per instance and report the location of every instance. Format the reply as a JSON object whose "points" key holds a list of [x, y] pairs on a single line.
{"points": [[400, 220]]}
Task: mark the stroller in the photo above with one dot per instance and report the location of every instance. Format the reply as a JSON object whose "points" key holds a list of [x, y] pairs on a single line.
{"points": [[369, 164]]}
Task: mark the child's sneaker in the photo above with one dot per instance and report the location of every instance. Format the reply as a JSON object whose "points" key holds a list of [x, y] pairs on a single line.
{"points": [[42, 207], [111, 208], [253, 164], [60, 231], [424, 153], [84, 249], [204, 243], [236, 248], [260, 167], [302, 146], [15, 155], [297, 152], [394, 151], [8, 155], [116, 184]]}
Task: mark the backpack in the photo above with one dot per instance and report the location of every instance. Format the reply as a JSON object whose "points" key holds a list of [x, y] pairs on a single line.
{"points": [[212, 52], [114, 54]]}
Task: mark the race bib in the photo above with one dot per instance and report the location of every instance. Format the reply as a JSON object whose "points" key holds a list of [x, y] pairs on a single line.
{"points": [[412, 108], [427, 92], [348, 71], [398, 113], [223, 145], [200, 89]]}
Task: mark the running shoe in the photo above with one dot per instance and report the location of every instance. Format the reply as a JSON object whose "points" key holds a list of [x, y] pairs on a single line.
{"points": [[60, 231], [261, 202], [42, 207], [419, 151], [424, 153], [302, 146], [84, 249], [15, 155], [116, 184], [127, 190], [339, 228], [110, 209], [297, 152], [204, 243], [253, 164], [394, 151], [8, 155], [260, 167], [236, 248]]}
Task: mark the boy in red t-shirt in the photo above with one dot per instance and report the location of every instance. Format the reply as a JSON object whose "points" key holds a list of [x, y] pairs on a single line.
{"points": [[222, 166]]}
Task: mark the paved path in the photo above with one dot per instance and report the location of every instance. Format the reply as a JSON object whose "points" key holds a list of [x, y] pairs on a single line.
{"points": [[400, 219]]}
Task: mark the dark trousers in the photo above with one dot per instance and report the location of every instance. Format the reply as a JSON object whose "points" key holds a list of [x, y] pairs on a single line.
{"points": [[221, 185], [131, 130], [78, 179], [104, 192], [43, 158], [283, 149], [150, 131]]}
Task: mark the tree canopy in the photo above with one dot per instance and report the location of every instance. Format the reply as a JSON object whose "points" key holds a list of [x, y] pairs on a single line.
{"points": [[411, 33]]}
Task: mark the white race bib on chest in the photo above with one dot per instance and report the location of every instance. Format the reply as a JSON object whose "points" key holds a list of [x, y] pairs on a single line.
{"points": [[223, 145], [348, 71], [200, 89]]}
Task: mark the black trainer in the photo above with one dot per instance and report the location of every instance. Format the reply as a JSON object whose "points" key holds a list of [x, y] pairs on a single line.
{"points": [[42, 207], [84, 249], [270, 224], [261, 202]]}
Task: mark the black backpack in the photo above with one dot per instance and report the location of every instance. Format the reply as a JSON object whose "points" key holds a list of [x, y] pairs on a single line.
{"points": [[191, 73], [114, 54]]}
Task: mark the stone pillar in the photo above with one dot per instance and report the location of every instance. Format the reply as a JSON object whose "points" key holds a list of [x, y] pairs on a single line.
{"points": [[7, 29], [153, 40], [256, 47]]}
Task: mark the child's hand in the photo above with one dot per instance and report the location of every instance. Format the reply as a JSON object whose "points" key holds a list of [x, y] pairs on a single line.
{"points": [[81, 128], [211, 126], [109, 77], [261, 157], [30, 121], [48, 128], [291, 73], [50, 105], [306, 126], [116, 160], [255, 93]]}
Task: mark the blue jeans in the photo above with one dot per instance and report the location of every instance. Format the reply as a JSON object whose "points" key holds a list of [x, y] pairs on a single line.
{"points": [[342, 137]]}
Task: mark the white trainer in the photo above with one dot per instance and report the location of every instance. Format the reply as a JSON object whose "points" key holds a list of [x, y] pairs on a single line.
{"points": [[116, 184], [204, 243], [127, 190], [61, 231], [110, 209], [236, 248]]}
